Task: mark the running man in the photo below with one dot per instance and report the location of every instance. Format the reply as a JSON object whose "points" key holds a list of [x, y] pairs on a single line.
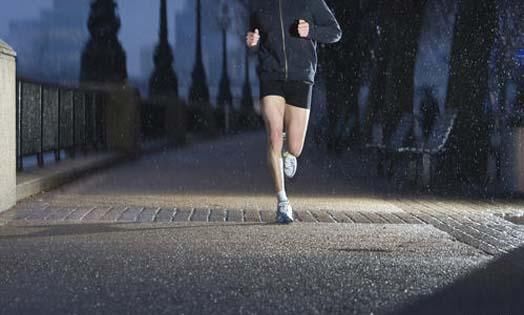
{"points": [[285, 34]]}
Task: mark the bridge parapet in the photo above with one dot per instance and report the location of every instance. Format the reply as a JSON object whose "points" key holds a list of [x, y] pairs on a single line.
{"points": [[7, 126]]}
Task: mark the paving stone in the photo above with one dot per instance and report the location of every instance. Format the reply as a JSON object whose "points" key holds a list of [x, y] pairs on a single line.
{"points": [[60, 214], [462, 232], [147, 214], [267, 216], [303, 216], [113, 214], [468, 239], [357, 217], [458, 219], [182, 214], [234, 216], [341, 217], [374, 218], [96, 215], [474, 232], [409, 219], [50, 213], [78, 214], [321, 216], [504, 228], [391, 218], [164, 215], [40, 214], [130, 214], [20, 214], [424, 217], [200, 215], [217, 215], [486, 223], [497, 234], [251, 215]]}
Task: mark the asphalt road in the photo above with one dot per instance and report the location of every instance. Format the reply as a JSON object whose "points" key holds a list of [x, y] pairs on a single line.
{"points": [[245, 269]]}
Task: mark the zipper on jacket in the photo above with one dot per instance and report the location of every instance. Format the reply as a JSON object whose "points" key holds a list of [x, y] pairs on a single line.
{"points": [[283, 40]]}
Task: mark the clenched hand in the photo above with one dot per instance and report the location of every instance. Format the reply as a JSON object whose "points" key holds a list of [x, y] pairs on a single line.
{"points": [[252, 38], [303, 28]]}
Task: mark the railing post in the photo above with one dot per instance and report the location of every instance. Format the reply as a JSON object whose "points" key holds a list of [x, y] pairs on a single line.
{"points": [[426, 169], [72, 152], [84, 145], [40, 154], [19, 93], [7, 127], [58, 150]]}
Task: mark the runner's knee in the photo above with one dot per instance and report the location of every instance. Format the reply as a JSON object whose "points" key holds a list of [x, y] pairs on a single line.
{"points": [[275, 139]]}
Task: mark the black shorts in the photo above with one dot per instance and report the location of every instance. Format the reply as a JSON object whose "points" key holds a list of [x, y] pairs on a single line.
{"points": [[296, 93]]}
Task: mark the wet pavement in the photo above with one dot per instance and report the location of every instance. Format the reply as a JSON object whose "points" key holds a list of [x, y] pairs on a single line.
{"points": [[226, 268], [192, 231]]}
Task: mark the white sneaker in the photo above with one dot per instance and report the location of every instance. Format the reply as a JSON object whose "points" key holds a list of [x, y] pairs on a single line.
{"points": [[284, 213], [290, 164]]}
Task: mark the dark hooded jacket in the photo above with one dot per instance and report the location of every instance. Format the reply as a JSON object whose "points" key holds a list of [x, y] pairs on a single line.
{"points": [[283, 55]]}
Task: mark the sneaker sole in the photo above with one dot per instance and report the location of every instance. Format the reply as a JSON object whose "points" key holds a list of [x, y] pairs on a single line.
{"points": [[284, 219], [291, 174]]}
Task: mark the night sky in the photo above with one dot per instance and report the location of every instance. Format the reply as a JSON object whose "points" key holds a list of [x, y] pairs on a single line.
{"points": [[132, 35]]}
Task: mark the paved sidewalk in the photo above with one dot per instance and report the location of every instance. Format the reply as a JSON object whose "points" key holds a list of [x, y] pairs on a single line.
{"points": [[227, 181], [192, 231]]}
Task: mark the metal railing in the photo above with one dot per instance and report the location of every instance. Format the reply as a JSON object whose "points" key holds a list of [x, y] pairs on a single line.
{"points": [[52, 118]]}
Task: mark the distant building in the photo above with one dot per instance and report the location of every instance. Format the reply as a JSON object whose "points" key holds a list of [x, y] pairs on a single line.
{"points": [[49, 47]]}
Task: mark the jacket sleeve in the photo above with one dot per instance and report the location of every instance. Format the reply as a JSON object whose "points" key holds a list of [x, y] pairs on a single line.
{"points": [[325, 28]]}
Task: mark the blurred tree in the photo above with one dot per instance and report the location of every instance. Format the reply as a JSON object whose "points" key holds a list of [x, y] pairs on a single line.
{"points": [[429, 110], [508, 39], [247, 116], [103, 58], [407, 18], [468, 86], [225, 97], [163, 80], [341, 63], [199, 100], [398, 28], [380, 58], [199, 91]]}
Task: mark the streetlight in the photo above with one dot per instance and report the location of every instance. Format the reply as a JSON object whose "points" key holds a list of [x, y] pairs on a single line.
{"points": [[225, 98]]}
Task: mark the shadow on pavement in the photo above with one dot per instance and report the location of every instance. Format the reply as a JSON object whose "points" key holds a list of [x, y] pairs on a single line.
{"points": [[496, 288], [87, 229]]}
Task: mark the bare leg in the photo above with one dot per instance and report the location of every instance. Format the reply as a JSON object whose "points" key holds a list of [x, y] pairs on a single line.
{"points": [[273, 110], [296, 122]]}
